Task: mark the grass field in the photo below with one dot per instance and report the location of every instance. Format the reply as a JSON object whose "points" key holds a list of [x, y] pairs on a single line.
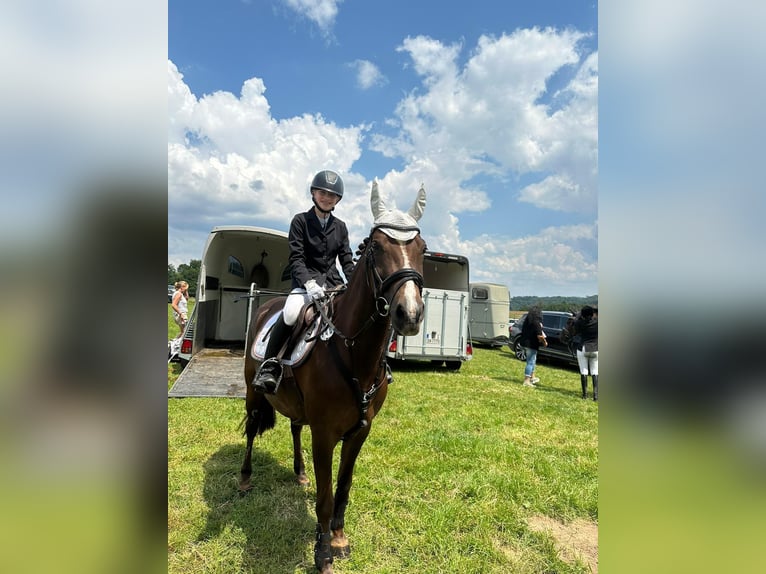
{"points": [[463, 472]]}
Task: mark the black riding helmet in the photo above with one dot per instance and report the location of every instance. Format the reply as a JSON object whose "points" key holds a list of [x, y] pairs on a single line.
{"points": [[329, 181]]}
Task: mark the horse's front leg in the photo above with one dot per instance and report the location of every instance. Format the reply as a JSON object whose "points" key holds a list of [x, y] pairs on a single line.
{"points": [[348, 455], [298, 465], [322, 447]]}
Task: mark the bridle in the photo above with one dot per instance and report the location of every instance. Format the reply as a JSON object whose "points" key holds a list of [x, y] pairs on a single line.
{"points": [[398, 278], [379, 286]]}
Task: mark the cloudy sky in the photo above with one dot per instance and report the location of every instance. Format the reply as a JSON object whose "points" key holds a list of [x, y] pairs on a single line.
{"points": [[493, 107]]}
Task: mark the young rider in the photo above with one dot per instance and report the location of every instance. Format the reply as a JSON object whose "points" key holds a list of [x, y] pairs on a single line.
{"points": [[316, 239]]}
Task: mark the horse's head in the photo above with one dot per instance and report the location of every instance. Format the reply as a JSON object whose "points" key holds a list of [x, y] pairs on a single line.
{"points": [[395, 256]]}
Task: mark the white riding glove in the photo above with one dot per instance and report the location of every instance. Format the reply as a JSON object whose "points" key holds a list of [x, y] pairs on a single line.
{"points": [[315, 291]]}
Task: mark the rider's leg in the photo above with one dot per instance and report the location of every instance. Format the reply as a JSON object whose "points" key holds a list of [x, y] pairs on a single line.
{"points": [[270, 372]]}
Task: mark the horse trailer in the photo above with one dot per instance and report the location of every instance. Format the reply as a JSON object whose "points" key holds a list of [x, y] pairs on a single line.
{"points": [[242, 267], [490, 306], [443, 336]]}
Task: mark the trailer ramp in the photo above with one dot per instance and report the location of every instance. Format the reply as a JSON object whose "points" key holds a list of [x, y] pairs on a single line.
{"points": [[212, 373]]}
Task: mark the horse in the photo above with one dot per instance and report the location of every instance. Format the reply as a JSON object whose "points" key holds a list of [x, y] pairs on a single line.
{"points": [[342, 385]]}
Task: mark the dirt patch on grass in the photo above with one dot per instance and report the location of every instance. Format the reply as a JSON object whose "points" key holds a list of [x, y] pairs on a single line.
{"points": [[577, 540]]}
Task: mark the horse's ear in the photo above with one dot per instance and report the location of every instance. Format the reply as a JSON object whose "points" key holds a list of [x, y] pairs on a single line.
{"points": [[377, 204], [417, 209]]}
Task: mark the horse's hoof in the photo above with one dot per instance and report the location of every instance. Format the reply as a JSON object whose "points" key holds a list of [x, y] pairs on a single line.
{"points": [[341, 551], [303, 480], [244, 487], [339, 545]]}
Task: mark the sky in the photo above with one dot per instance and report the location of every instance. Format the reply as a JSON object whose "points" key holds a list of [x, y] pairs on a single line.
{"points": [[492, 107]]}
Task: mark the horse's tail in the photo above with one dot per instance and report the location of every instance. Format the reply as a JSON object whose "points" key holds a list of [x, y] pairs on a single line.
{"points": [[259, 420]]}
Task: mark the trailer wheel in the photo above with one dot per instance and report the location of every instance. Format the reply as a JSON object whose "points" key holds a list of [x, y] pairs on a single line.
{"points": [[453, 365]]}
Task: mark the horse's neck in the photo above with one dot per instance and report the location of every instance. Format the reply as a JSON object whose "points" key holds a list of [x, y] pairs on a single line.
{"points": [[356, 316], [357, 307]]}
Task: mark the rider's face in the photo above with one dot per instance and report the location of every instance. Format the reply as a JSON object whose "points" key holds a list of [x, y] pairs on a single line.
{"points": [[325, 199]]}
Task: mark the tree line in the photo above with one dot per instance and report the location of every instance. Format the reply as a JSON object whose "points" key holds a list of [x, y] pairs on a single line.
{"points": [[185, 272], [556, 303]]}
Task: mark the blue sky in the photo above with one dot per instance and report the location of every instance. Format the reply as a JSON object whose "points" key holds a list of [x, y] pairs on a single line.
{"points": [[494, 107]]}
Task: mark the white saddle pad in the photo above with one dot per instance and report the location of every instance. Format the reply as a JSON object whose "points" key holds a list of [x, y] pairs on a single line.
{"points": [[258, 348]]}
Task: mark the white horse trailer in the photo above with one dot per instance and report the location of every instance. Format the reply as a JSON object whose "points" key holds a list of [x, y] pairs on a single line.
{"points": [[490, 304], [443, 336], [242, 267]]}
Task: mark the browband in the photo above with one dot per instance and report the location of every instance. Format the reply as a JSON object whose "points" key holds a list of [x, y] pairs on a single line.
{"points": [[384, 226]]}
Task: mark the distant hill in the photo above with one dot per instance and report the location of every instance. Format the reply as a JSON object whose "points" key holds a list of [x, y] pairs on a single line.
{"points": [[557, 303]]}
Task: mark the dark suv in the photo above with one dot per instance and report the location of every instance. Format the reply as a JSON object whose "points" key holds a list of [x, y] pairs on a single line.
{"points": [[553, 323]]}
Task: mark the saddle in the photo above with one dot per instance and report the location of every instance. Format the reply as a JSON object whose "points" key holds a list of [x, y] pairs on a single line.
{"points": [[307, 329]]}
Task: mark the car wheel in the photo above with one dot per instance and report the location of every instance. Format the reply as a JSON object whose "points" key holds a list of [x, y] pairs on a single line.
{"points": [[453, 365], [519, 351]]}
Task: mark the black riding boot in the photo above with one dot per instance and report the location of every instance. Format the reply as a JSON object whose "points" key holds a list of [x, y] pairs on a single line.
{"points": [[584, 383], [595, 387], [270, 372]]}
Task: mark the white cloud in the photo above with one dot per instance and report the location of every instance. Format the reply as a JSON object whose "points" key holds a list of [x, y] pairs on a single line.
{"points": [[558, 193], [547, 263], [490, 117], [431, 58], [367, 74], [230, 162], [321, 12]]}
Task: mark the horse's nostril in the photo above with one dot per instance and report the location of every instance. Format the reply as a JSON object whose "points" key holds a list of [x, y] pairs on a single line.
{"points": [[403, 314]]}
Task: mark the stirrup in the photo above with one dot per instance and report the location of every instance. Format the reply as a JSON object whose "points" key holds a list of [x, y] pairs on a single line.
{"points": [[269, 364]]}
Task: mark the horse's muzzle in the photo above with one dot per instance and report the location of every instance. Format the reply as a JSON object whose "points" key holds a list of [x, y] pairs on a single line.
{"points": [[406, 319]]}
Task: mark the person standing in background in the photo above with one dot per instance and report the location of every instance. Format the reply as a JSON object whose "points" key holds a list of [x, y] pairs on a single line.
{"points": [[180, 304], [586, 327], [532, 338]]}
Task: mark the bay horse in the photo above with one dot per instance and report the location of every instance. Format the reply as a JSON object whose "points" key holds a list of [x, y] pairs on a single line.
{"points": [[342, 385]]}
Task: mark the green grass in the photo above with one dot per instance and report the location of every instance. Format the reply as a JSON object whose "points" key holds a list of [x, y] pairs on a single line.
{"points": [[454, 466]]}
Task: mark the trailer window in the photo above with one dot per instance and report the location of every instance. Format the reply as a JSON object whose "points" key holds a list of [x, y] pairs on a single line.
{"points": [[235, 267], [479, 293]]}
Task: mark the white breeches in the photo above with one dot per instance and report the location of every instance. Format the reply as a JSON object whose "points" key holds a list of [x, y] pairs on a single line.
{"points": [[588, 362], [295, 302]]}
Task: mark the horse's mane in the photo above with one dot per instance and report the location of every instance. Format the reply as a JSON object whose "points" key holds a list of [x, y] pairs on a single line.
{"points": [[361, 248]]}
